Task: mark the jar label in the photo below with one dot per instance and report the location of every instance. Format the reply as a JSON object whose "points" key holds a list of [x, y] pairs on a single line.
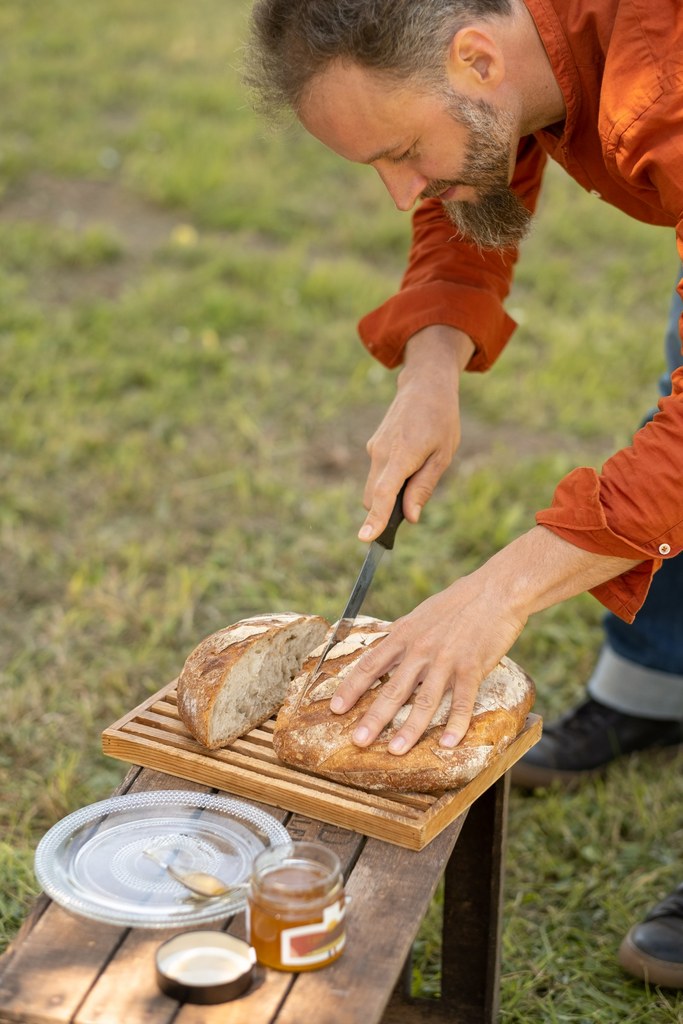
{"points": [[314, 943]]}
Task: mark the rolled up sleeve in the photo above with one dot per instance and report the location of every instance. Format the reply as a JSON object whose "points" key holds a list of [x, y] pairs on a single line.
{"points": [[632, 509]]}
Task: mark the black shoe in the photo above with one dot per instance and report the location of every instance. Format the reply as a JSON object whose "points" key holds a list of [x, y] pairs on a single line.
{"points": [[653, 949], [585, 740]]}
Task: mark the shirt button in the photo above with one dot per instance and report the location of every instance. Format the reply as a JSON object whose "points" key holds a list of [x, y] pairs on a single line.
{"points": [[664, 549], [594, 192]]}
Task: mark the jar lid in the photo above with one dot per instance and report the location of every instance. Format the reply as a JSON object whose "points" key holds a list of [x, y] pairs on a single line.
{"points": [[204, 967]]}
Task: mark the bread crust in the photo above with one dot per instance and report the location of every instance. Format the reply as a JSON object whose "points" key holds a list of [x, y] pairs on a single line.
{"points": [[312, 737], [237, 678]]}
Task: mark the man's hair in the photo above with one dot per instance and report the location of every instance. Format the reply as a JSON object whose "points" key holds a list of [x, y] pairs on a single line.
{"points": [[293, 40]]}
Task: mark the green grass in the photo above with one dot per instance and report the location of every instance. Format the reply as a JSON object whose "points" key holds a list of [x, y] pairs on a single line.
{"points": [[185, 409]]}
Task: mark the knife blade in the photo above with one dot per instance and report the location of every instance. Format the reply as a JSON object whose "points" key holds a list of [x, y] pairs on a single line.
{"points": [[384, 542]]}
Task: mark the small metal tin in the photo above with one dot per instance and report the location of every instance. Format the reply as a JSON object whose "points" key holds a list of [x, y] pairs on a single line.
{"points": [[204, 967]]}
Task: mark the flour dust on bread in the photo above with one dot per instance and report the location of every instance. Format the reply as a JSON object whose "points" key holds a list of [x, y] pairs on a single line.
{"points": [[238, 677], [312, 737]]}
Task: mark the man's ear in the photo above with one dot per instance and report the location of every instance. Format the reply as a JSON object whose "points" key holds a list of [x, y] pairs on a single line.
{"points": [[475, 64]]}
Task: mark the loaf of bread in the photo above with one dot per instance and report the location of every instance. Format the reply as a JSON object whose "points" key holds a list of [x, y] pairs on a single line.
{"points": [[238, 677], [311, 736]]}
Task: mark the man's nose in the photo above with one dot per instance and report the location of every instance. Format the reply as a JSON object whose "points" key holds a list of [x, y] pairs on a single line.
{"points": [[404, 185]]}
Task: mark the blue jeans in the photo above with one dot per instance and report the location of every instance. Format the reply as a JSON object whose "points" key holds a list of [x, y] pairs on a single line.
{"points": [[641, 668]]}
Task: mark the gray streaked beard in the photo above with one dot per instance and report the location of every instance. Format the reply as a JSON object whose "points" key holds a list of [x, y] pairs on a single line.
{"points": [[498, 219]]}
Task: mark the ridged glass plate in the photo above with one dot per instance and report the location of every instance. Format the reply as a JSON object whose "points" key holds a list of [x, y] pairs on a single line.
{"points": [[93, 862]]}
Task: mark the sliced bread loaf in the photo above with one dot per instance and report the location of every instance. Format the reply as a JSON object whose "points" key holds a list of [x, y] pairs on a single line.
{"points": [[238, 677]]}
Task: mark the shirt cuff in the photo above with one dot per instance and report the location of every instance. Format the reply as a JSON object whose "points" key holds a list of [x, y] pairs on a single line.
{"points": [[578, 516], [386, 331]]}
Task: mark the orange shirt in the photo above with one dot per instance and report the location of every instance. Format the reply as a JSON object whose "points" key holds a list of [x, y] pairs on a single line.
{"points": [[619, 64]]}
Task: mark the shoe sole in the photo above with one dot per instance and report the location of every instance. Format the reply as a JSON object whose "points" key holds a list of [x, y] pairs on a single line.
{"points": [[531, 776], [647, 968]]}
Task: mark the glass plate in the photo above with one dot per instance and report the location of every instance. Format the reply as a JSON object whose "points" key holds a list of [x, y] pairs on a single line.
{"points": [[93, 861]]}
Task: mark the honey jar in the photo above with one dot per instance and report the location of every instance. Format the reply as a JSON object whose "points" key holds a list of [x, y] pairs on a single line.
{"points": [[296, 907]]}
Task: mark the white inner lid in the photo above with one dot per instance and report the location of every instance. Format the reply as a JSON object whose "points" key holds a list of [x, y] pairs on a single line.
{"points": [[211, 958]]}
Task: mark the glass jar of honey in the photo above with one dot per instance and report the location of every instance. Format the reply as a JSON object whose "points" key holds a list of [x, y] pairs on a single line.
{"points": [[296, 907]]}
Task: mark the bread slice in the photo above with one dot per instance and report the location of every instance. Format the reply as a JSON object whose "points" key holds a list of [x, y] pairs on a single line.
{"points": [[238, 677], [311, 737]]}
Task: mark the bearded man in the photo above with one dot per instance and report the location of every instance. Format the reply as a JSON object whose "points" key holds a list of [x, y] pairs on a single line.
{"points": [[458, 104]]}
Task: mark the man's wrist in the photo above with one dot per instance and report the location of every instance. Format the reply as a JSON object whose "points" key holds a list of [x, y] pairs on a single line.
{"points": [[439, 342]]}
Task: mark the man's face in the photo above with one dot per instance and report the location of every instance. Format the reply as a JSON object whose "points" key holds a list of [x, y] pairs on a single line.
{"points": [[423, 145]]}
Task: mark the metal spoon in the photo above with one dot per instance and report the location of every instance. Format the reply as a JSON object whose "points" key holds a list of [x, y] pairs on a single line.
{"points": [[199, 882]]}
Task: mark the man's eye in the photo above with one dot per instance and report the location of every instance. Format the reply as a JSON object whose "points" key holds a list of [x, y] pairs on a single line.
{"points": [[404, 156]]}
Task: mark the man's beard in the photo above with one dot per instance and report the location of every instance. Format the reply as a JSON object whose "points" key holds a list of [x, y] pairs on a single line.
{"points": [[497, 219]]}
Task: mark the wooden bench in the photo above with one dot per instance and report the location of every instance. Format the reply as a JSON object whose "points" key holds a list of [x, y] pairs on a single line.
{"points": [[62, 968]]}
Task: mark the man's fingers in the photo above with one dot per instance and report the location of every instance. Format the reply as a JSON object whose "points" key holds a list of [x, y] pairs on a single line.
{"points": [[425, 705], [381, 490], [395, 694], [383, 501], [459, 719], [391, 697], [369, 669], [373, 525], [423, 484]]}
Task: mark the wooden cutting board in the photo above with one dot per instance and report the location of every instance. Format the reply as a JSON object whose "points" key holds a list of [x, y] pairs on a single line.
{"points": [[153, 736]]}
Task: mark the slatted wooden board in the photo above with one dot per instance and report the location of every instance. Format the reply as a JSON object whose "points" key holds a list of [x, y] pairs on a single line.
{"points": [[153, 736]]}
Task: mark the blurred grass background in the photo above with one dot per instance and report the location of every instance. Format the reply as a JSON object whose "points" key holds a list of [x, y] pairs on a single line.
{"points": [[185, 408]]}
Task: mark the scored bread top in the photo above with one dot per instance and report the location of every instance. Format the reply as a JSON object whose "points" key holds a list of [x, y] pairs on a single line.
{"points": [[312, 736]]}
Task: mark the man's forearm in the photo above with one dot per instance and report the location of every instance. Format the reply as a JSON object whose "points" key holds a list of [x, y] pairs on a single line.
{"points": [[540, 569]]}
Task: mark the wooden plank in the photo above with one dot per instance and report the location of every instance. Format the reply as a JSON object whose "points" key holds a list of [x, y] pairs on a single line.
{"points": [[463, 799], [152, 735], [127, 989], [72, 971], [245, 756], [296, 796], [154, 720], [472, 913], [270, 989], [66, 956], [383, 920], [166, 693], [66, 951], [79, 981]]}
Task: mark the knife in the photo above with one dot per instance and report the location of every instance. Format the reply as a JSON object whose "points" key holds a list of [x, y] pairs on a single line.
{"points": [[384, 542]]}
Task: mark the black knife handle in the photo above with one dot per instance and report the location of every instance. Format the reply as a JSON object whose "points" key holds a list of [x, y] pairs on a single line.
{"points": [[388, 535]]}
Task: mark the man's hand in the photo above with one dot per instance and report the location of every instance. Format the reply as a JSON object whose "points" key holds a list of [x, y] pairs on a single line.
{"points": [[420, 432], [455, 638], [439, 646]]}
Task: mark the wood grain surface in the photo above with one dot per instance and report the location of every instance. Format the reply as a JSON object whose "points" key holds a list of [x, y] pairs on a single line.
{"points": [[152, 735]]}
